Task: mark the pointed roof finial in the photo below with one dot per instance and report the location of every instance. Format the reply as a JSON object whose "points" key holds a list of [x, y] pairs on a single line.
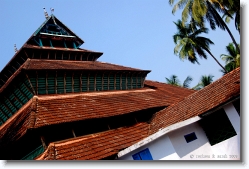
{"points": [[45, 13], [15, 48], [52, 10]]}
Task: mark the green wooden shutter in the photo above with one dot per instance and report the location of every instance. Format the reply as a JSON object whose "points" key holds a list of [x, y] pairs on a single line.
{"points": [[105, 85], [41, 84], [76, 82], [117, 82], [139, 82], [128, 82], [84, 82], [51, 83], [111, 82], [91, 82], [69, 83], [99, 82], [14, 101], [134, 82], [123, 82], [60, 83], [20, 96]]}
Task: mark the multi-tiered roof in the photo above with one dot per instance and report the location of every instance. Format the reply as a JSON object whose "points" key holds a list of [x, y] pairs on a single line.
{"points": [[58, 102]]}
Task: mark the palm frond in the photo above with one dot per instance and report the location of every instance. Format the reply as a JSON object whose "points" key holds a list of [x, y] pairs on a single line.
{"points": [[187, 82]]}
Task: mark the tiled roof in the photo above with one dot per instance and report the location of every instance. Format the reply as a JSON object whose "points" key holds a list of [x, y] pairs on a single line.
{"points": [[97, 105], [15, 127], [42, 64], [96, 146], [213, 95], [80, 106]]}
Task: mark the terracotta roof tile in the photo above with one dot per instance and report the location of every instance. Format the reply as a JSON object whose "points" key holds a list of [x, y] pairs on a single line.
{"points": [[43, 64], [15, 127], [96, 146], [219, 92], [75, 107], [97, 104]]}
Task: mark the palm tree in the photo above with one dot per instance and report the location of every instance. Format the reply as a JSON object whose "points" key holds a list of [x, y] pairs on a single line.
{"points": [[205, 80], [201, 10], [188, 43], [233, 9], [173, 80], [232, 59]]}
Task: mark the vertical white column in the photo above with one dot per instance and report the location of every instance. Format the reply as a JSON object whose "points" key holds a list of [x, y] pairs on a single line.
{"points": [[233, 117]]}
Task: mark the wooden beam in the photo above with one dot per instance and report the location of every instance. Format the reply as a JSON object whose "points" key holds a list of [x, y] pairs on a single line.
{"points": [[43, 142], [11, 103], [16, 97], [73, 133], [30, 83], [46, 79], [135, 119], [26, 54], [21, 92], [30, 90], [22, 59], [88, 56]]}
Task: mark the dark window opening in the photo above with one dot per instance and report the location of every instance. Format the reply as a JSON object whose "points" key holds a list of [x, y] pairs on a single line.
{"points": [[25, 145], [58, 43], [64, 131], [217, 127], [57, 133], [190, 137]]}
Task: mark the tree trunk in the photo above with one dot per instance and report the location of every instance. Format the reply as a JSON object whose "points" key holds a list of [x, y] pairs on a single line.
{"points": [[216, 60], [228, 30]]}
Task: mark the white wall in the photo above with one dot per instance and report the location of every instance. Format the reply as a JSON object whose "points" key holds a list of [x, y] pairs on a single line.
{"points": [[173, 146]]}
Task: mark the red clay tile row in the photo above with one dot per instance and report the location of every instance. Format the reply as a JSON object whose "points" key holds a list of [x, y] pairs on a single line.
{"points": [[82, 107], [213, 95], [15, 127], [43, 64], [98, 146]]}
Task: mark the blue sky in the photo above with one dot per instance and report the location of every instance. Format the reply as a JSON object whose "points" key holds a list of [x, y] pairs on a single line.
{"points": [[135, 33]]}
